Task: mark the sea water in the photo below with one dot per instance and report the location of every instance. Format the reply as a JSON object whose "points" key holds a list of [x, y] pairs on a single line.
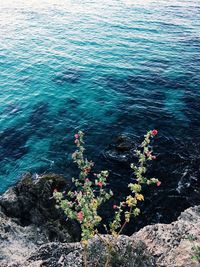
{"points": [[108, 68]]}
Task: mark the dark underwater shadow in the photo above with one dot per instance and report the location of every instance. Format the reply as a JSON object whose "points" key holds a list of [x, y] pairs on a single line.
{"points": [[13, 143]]}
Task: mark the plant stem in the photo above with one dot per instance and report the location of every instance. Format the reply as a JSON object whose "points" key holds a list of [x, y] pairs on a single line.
{"points": [[85, 255], [103, 240], [122, 228], [124, 224], [110, 247]]}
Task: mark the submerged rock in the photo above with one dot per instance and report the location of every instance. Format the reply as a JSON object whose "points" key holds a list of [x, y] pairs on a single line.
{"points": [[122, 150], [39, 115], [13, 143]]}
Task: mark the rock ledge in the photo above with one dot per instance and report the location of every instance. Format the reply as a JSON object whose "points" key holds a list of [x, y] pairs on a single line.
{"points": [[33, 233]]}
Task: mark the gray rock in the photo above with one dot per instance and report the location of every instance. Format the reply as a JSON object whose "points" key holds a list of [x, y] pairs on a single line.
{"points": [[57, 254], [30, 202], [122, 150], [125, 253], [17, 242], [169, 242], [45, 239]]}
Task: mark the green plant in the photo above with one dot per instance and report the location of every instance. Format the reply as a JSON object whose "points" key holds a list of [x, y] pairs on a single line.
{"points": [[129, 207], [90, 193], [82, 204], [195, 248]]}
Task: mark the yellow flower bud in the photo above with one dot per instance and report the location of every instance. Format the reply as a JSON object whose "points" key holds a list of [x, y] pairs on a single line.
{"points": [[139, 197], [131, 201]]}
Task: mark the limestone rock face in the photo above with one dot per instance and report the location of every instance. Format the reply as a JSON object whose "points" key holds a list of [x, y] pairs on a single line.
{"points": [[125, 253], [34, 233], [169, 243], [56, 254], [30, 202], [18, 242]]}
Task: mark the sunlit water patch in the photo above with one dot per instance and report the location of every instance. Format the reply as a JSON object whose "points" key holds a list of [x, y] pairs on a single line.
{"points": [[108, 68]]}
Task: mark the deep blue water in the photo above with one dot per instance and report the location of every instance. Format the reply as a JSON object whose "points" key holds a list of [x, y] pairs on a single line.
{"points": [[108, 68]]}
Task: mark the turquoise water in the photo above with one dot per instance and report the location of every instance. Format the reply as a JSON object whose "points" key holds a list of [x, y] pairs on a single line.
{"points": [[106, 67]]}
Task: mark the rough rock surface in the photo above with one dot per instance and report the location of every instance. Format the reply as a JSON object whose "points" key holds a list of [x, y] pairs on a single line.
{"points": [[169, 243], [18, 242], [126, 253], [123, 149], [30, 202], [33, 233]]}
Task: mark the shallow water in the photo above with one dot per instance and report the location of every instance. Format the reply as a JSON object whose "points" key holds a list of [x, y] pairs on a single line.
{"points": [[106, 67]]}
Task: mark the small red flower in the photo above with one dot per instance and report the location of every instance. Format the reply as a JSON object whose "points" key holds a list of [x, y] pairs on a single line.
{"points": [[76, 136], [158, 183], [114, 206], [148, 153], [87, 170], [80, 216], [154, 132], [87, 180], [76, 141], [100, 184], [153, 157]]}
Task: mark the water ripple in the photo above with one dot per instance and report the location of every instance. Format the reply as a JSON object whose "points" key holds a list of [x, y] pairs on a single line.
{"points": [[107, 67]]}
